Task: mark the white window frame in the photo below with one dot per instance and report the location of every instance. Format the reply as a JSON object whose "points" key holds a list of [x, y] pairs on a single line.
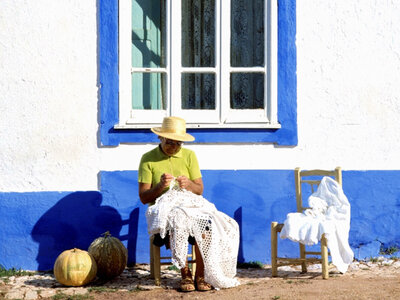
{"points": [[223, 116]]}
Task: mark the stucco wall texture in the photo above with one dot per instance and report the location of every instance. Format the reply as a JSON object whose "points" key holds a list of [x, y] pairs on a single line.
{"points": [[348, 64], [54, 173], [48, 92]]}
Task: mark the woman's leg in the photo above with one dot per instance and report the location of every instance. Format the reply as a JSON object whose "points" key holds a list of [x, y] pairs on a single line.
{"points": [[199, 276], [185, 271], [199, 263]]}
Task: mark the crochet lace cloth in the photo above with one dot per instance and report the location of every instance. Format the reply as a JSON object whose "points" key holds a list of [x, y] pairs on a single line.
{"points": [[183, 213]]}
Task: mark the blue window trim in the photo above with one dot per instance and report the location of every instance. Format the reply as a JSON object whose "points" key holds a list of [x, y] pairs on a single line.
{"points": [[287, 87]]}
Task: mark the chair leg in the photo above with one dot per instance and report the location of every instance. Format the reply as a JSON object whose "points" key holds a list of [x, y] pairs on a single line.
{"points": [[151, 258], [156, 264], [194, 249], [324, 257], [274, 249], [303, 258]]}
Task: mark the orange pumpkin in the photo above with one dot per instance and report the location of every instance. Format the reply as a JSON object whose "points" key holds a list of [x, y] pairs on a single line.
{"points": [[75, 267], [110, 254]]}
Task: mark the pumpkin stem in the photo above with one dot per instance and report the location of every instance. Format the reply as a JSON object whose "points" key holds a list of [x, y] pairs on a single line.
{"points": [[106, 234]]}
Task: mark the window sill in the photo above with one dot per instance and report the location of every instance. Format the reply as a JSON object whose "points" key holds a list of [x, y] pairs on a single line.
{"points": [[205, 126]]}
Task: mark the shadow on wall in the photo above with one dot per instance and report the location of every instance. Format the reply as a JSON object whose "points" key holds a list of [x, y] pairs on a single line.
{"points": [[75, 221], [238, 216]]}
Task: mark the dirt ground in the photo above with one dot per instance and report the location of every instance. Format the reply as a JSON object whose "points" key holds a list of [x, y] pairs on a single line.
{"points": [[378, 282], [364, 280], [288, 288]]}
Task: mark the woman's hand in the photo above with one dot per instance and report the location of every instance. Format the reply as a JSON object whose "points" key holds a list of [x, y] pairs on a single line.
{"points": [[165, 180], [184, 182], [195, 186]]}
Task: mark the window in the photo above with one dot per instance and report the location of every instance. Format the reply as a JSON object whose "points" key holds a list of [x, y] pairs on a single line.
{"points": [[225, 92], [212, 62]]}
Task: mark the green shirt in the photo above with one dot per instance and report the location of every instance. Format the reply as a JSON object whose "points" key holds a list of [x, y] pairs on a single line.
{"points": [[155, 163]]}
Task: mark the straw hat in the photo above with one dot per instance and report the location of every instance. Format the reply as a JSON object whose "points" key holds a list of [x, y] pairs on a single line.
{"points": [[173, 128]]}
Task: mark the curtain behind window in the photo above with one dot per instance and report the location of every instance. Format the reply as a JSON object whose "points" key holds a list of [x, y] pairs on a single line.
{"points": [[247, 50], [198, 50]]}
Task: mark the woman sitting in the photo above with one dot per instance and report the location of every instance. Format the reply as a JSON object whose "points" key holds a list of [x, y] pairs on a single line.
{"points": [[159, 167]]}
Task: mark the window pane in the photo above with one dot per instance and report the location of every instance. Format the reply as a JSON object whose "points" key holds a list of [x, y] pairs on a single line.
{"points": [[198, 91], [198, 33], [247, 33], [148, 33], [247, 90], [148, 91]]}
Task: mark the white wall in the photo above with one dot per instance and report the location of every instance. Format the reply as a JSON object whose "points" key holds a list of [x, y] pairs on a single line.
{"points": [[349, 82], [48, 95], [348, 60]]}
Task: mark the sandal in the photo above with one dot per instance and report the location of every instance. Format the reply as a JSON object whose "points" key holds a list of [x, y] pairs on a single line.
{"points": [[187, 285], [201, 285]]}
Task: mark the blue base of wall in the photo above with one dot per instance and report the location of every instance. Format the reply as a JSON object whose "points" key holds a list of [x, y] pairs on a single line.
{"points": [[37, 227]]}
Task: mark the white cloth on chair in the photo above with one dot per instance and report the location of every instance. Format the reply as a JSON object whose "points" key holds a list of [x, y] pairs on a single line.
{"points": [[183, 213], [329, 214]]}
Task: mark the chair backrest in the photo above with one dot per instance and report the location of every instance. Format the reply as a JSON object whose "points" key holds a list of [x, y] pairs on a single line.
{"points": [[315, 179]]}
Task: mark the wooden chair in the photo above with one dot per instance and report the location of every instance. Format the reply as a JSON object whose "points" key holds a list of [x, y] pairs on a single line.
{"points": [[156, 261], [300, 179]]}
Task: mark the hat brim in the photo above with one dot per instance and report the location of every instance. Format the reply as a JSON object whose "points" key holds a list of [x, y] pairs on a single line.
{"points": [[186, 137]]}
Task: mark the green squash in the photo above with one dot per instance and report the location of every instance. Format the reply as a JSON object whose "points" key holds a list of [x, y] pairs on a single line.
{"points": [[110, 254]]}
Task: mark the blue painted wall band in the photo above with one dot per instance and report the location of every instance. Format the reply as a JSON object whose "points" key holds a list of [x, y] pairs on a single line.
{"points": [[37, 227]]}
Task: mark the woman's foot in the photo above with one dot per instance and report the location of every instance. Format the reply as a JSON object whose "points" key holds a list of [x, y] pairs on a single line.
{"points": [[187, 285], [201, 285]]}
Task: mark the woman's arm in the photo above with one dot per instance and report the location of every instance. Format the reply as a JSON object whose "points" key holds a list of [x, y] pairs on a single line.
{"points": [[148, 194]]}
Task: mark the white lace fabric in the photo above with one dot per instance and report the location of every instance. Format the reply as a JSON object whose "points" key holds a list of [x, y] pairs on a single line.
{"points": [[183, 213], [329, 214]]}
